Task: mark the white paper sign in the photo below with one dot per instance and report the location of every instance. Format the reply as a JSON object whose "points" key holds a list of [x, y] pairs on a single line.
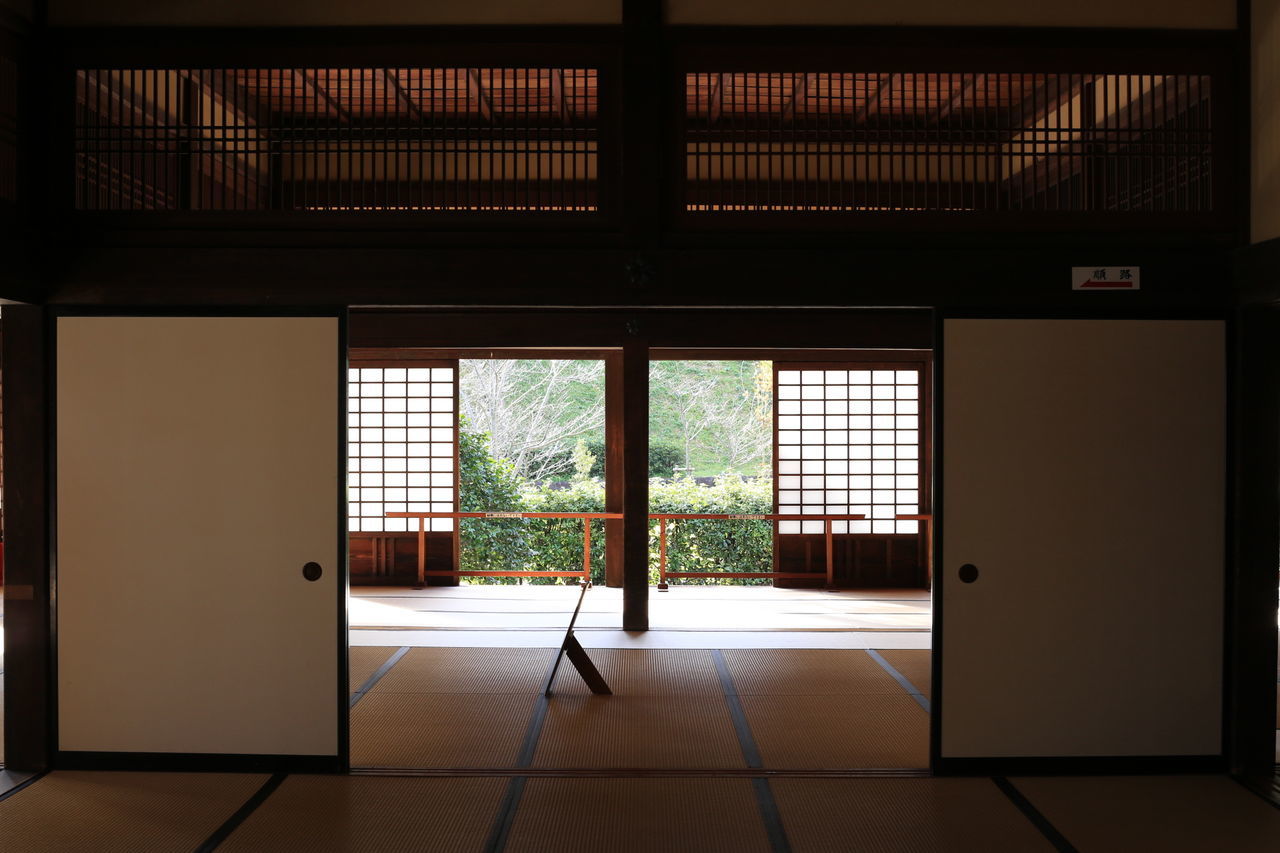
{"points": [[1104, 278]]}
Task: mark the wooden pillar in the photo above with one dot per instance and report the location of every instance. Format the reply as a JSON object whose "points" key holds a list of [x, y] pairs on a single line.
{"points": [[1251, 631], [614, 473], [635, 496], [642, 193], [644, 86], [26, 545]]}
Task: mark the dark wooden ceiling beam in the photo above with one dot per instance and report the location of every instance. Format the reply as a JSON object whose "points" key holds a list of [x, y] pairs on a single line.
{"points": [[1046, 95], [799, 92], [401, 95], [561, 102], [886, 87], [957, 100], [343, 113], [478, 93], [715, 102]]}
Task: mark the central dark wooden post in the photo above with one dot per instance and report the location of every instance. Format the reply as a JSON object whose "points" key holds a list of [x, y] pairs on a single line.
{"points": [[642, 152], [635, 496], [614, 475]]}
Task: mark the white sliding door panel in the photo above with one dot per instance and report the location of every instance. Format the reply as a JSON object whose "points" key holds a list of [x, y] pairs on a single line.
{"points": [[197, 472], [1083, 475]]}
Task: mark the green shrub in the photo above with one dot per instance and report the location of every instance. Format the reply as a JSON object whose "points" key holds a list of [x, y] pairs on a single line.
{"points": [[489, 484], [714, 545], [663, 459], [555, 544], [693, 545]]}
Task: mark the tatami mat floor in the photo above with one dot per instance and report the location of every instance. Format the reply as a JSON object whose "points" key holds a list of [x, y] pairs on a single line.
{"points": [[156, 813], [671, 709], [739, 748]]}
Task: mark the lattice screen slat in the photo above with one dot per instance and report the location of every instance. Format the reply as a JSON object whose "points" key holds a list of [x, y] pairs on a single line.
{"points": [[315, 139], [824, 142]]}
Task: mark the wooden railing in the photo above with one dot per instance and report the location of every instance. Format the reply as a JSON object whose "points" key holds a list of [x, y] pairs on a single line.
{"points": [[662, 518], [928, 540], [423, 574]]}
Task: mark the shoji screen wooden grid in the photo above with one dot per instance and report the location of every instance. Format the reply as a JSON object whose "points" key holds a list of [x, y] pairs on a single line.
{"points": [[824, 142], [402, 448], [351, 139], [849, 441]]}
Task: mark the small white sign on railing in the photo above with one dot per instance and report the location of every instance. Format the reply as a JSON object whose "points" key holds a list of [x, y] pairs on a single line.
{"points": [[1104, 278], [750, 516], [504, 515]]}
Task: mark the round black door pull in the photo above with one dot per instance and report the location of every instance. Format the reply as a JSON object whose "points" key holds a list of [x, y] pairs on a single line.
{"points": [[312, 571], [968, 573]]}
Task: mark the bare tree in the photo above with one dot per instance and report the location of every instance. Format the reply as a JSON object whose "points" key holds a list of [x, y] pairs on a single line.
{"points": [[725, 414], [533, 410], [687, 396]]}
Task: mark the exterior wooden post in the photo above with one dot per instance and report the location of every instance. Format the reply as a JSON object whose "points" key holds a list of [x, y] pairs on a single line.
{"points": [[422, 551], [635, 425], [831, 562], [586, 550], [662, 554], [613, 471]]}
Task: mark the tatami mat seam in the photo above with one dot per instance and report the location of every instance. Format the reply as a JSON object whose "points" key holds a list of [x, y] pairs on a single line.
{"points": [[231, 824], [742, 728], [1033, 814], [911, 689], [506, 816], [377, 675], [765, 802]]}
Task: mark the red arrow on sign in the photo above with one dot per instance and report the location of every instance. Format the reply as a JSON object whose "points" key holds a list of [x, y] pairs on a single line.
{"points": [[1112, 284]]}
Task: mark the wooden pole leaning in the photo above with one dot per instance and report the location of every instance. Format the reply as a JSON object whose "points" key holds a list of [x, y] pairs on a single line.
{"points": [[569, 646], [577, 655]]}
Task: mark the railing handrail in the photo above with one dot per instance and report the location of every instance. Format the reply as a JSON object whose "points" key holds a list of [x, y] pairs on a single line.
{"points": [[422, 517], [759, 516], [503, 514], [828, 533], [662, 518]]}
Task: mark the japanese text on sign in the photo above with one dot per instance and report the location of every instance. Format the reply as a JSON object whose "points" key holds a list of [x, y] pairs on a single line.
{"points": [[1104, 278]]}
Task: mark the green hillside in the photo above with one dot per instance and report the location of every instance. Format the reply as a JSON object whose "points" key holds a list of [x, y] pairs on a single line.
{"points": [[717, 415]]}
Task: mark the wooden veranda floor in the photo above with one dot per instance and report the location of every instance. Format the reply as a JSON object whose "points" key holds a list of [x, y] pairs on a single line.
{"points": [[689, 617]]}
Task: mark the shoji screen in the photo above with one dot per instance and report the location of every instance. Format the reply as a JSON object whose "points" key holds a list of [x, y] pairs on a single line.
{"points": [[848, 442], [402, 453]]}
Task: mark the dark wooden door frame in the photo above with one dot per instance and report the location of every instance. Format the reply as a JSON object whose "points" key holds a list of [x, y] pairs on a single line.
{"points": [[633, 334], [28, 610]]}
